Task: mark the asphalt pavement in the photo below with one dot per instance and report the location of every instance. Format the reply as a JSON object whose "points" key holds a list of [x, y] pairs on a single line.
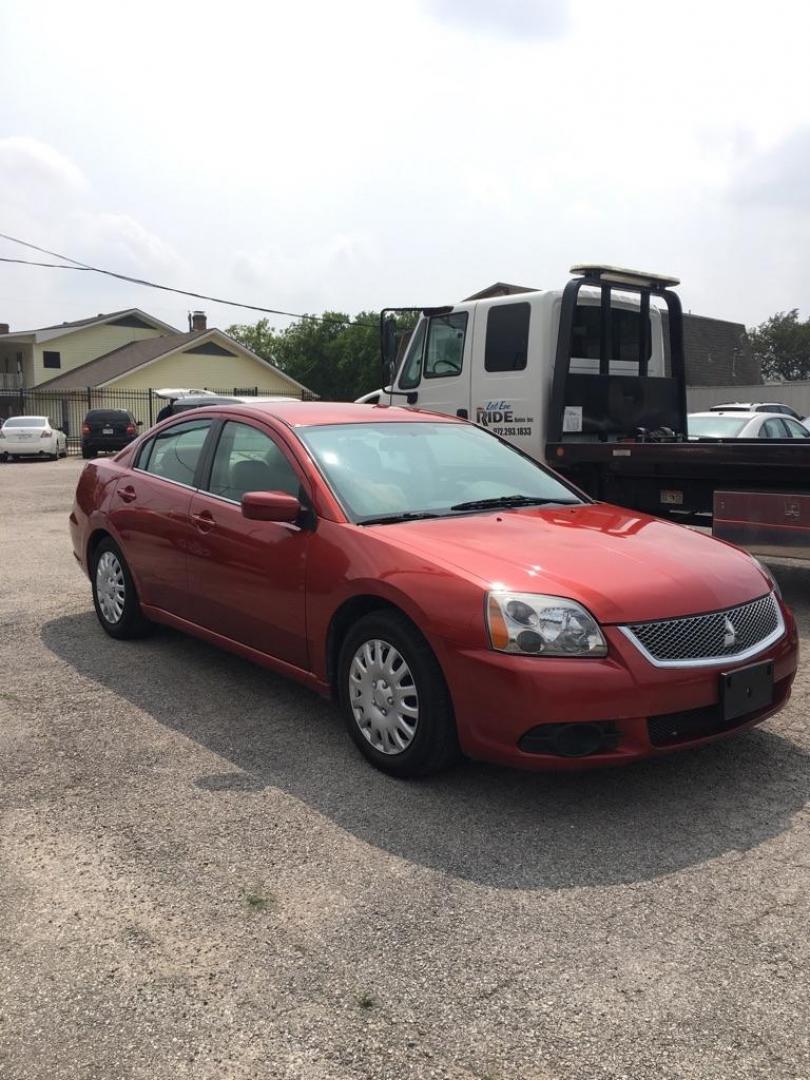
{"points": [[200, 877]]}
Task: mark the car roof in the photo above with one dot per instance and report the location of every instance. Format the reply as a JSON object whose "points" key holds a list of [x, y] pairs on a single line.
{"points": [[297, 414], [738, 414], [749, 405]]}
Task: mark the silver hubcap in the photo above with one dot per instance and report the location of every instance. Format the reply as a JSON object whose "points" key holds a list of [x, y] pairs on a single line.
{"points": [[110, 588], [383, 697]]}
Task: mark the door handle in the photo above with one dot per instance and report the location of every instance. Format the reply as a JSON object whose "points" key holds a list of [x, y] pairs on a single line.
{"points": [[203, 522], [127, 493]]}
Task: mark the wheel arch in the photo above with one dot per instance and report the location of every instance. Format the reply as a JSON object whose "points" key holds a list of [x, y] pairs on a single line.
{"points": [[346, 616], [94, 539]]}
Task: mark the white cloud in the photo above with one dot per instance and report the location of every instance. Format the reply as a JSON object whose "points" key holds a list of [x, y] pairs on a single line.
{"points": [[778, 177], [523, 19], [407, 155], [27, 163], [118, 242]]}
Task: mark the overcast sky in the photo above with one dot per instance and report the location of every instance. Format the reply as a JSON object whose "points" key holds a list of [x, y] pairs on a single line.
{"points": [[347, 156]]}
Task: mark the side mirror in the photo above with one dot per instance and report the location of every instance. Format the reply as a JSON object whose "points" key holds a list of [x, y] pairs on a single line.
{"points": [[270, 506], [389, 340], [388, 348]]}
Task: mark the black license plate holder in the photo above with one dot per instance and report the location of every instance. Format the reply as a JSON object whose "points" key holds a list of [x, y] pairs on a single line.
{"points": [[746, 690]]}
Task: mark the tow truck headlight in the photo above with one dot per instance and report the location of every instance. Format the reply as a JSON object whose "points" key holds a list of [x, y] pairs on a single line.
{"points": [[534, 625]]}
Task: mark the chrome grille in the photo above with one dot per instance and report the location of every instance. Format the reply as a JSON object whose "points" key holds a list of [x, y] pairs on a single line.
{"points": [[707, 638]]}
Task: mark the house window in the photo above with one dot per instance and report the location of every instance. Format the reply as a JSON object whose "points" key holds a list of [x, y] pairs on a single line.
{"points": [[51, 359]]}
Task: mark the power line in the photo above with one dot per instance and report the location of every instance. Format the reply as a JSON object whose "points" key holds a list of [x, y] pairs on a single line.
{"points": [[85, 267]]}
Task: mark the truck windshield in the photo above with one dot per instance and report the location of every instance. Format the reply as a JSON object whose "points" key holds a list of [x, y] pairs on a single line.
{"points": [[715, 427], [395, 470]]}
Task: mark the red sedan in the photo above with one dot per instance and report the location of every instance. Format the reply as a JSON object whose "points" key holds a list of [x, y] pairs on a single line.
{"points": [[451, 593]]}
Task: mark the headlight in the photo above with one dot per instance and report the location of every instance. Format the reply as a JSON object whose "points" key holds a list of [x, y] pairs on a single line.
{"points": [[769, 575], [542, 626]]}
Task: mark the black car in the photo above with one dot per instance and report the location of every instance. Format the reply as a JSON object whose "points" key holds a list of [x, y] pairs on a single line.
{"points": [[107, 429]]}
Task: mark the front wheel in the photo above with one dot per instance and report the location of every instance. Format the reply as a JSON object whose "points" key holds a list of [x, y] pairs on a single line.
{"points": [[114, 594], [394, 698]]}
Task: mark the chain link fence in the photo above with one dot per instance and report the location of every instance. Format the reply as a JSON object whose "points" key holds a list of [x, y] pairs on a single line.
{"points": [[68, 408]]}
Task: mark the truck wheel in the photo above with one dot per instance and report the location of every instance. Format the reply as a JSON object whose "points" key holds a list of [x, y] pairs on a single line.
{"points": [[394, 698]]}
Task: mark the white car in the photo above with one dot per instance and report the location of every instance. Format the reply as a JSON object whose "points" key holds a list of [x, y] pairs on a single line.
{"points": [[31, 436], [777, 407], [736, 424]]}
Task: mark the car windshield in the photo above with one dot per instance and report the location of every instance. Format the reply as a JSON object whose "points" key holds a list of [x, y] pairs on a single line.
{"points": [[715, 427], [400, 470], [100, 415], [26, 421]]}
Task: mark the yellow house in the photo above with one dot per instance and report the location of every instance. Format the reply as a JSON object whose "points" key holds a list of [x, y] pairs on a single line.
{"points": [[33, 358], [202, 358]]}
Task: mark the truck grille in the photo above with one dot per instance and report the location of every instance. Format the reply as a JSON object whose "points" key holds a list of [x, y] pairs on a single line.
{"points": [[721, 635]]}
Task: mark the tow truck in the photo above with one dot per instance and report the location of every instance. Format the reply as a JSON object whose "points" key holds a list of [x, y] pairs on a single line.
{"points": [[591, 379]]}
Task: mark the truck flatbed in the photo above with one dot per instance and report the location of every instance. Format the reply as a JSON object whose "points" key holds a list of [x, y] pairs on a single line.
{"points": [[659, 477]]}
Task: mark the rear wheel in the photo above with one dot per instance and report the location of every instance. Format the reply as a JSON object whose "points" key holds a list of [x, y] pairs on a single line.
{"points": [[86, 454], [394, 698], [114, 594]]}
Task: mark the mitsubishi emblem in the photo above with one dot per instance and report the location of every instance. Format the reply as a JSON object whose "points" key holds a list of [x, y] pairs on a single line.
{"points": [[729, 634]]}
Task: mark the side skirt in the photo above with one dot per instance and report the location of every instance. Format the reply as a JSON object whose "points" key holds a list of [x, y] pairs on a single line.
{"points": [[290, 671]]}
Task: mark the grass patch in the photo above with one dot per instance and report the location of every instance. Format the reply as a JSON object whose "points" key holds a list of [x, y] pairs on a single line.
{"points": [[365, 1000]]}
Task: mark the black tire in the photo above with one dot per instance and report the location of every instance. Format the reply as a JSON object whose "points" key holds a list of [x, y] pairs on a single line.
{"points": [[87, 454], [434, 744], [131, 623]]}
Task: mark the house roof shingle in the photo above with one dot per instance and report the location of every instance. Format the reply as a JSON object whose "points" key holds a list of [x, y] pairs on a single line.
{"points": [[77, 324], [126, 358], [113, 364]]}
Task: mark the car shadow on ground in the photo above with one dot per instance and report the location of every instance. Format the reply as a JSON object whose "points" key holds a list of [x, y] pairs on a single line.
{"points": [[493, 826]]}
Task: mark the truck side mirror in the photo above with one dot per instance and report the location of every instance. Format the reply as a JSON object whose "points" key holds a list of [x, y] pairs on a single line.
{"points": [[389, 348]]}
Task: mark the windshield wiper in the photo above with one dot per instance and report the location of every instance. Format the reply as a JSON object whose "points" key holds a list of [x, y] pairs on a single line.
{"points": [[392, 519], [510, 500]]}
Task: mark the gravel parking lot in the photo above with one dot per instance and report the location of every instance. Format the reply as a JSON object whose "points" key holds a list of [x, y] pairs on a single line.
{"points": [[201, 878]]}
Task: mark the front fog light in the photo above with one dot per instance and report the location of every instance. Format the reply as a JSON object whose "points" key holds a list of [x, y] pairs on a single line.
{"points": [[542, 626]]}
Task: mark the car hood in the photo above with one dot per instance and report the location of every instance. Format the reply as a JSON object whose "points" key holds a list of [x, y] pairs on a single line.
{"points": [[622, 565]]}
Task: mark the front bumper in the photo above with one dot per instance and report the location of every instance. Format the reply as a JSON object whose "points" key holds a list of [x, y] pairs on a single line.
{"points": [[499, 699]]}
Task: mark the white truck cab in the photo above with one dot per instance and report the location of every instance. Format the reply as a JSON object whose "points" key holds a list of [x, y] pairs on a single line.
{"points": [[493, 360]]}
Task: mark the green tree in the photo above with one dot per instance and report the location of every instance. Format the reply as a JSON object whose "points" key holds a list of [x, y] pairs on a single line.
{"points": [[336, 357], [260, 337], [782, 346]]}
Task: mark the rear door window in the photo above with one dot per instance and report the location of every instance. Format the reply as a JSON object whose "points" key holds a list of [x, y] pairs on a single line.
{"points": [[507, 344], [174, 453], [624, 333], [795, 429], [774, 429]]}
